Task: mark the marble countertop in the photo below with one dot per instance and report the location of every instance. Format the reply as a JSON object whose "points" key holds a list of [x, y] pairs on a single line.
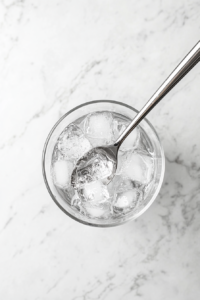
{"points": [[55, 55]]}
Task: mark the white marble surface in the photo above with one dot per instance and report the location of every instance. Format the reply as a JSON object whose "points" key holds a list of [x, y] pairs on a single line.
{"points": [[55, 55]]}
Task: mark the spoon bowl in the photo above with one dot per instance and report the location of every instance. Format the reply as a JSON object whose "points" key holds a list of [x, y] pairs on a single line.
{"points": [[99, 163]]}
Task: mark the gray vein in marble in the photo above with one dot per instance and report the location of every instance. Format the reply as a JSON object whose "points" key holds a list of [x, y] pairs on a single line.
{"points": [[154, 251], [86, 69], [48, 234], [8, 222], [57, 281]]}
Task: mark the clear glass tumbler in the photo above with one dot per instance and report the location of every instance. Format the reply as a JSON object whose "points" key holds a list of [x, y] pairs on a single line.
{"points": [[72, 115]]}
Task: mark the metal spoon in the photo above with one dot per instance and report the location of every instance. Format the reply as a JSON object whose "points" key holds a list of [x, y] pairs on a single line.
{"points": [[108, 154]]}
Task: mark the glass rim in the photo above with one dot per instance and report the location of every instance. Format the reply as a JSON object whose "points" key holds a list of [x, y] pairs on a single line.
{"points": [[121, 221]]}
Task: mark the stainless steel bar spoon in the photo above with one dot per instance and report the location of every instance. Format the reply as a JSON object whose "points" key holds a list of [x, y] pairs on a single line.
{"points": [[110, 152]]}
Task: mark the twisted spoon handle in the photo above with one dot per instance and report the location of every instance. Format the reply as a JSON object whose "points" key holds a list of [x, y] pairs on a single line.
{"points": [[190, 60]]}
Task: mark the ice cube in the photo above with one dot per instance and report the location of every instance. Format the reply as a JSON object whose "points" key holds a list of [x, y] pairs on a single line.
{"points": [[67, 193], [110, 187], [126, 201], [76, 203], [95, 200], [101, 211], [98, 128], [126, 194], [95, 191], [75, 197], [57, 155], [122, 184], [131, 142], [72, 143], [121, 157], [61, 173], [119, 125], [98, 142], [145, 143], [138, 167]]}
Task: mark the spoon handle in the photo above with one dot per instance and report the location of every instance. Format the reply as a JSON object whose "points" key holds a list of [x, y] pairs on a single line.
{"points": [[190, 60]]}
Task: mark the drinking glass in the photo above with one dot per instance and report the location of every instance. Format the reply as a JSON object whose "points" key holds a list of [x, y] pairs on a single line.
{"points": [[76, 113]]}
